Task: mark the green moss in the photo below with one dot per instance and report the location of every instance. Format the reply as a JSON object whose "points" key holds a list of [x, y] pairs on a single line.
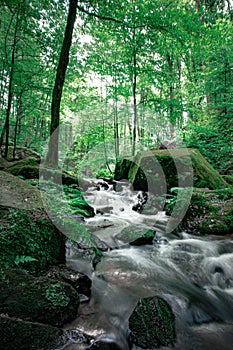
{"points": [[228, 179], [28, 240], [37, 299], [24, 335], [210, 212], [204, 174], [155, 170], [152, 323], [136, 234]]}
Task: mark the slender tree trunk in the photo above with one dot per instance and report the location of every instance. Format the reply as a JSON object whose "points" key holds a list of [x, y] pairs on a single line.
{"points": [[171, 95], [19, 116], [52, 155], [134, 101], [10, 90]]}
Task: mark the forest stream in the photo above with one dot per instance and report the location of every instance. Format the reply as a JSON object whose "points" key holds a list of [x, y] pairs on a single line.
{"points": [[192, 273]]}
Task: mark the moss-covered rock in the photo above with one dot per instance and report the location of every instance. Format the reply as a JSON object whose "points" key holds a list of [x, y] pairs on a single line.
{"points": [[15, 193], [16, 334], [21, 153], [160, 170], [81, 283], [152, 323], [30, 169], [40, 299], [136, 235], [28, 238], [209, 212]]}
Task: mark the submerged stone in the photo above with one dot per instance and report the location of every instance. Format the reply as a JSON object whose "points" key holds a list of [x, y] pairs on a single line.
{"points": [[152, 323], [135, 235]]}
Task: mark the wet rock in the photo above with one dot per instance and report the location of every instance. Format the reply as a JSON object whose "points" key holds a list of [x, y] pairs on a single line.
{"points": [[142, 199], [102, 185], [106, 344], [74, 339], [153, 205], [25, 243], [135, 235], [105, 210], [159, 170], [80, 282], [24, 335], [152, 323], [40, 299]]}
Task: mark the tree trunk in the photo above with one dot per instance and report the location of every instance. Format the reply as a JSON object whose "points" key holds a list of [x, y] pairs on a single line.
{"points": [[134, 101], [6, 128], [52, 155], [19, 116]]}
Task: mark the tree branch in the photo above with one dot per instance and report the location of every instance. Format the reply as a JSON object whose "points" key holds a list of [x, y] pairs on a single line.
{"points": [[92, 14]]}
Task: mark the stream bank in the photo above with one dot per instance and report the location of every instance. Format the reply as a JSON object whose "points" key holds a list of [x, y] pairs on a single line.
{"points": [[141, 259]]}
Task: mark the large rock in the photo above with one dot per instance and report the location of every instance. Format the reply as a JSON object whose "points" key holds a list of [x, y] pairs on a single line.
{"points": [[28, 238], [135, 235], [16, 334], [37, 299], [21, 153], [81, 283], [152, 323], [157, 171]]}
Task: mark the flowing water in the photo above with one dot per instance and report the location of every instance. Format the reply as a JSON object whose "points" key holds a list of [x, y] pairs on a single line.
{"points": [[194, 274]]}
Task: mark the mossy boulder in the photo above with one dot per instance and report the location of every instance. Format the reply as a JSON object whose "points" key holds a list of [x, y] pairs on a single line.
{"points": [[135, 235], [152, 323], [28, 237], [31, 172], [209, 212], [158, 171], [38, 299], [16, 334], [30, 169], [21, 153]]}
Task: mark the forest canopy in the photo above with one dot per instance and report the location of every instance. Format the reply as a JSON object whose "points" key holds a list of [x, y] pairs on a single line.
{"points": [[138, 73]]}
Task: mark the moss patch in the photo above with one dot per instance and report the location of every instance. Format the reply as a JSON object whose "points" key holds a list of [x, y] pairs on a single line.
{"points": [[210, 212], [37, 299], [24, 335], [15, 193], [29, 240], [136, 235], [159, 170], [152, 323]]}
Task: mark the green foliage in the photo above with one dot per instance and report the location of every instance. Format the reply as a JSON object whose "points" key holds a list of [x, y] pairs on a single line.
{"points": [[215, 144], [31, 243], [178, 197], [210, 212], [104, 173]]}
